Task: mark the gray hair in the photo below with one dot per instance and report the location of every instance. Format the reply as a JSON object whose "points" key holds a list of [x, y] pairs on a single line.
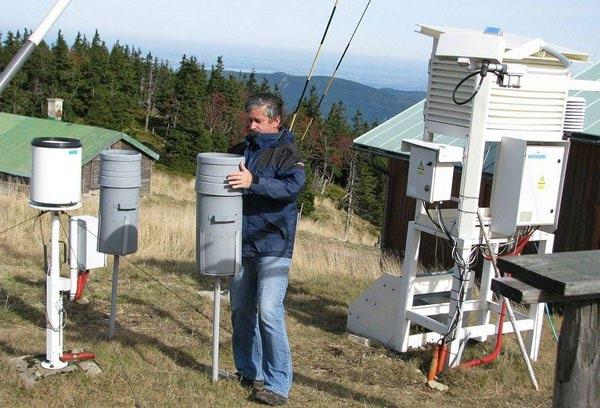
{"points": [[272, 104]]}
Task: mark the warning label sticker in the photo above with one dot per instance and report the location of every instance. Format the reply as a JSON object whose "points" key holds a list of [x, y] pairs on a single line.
{"points": [[541, 184], [420, 168]]}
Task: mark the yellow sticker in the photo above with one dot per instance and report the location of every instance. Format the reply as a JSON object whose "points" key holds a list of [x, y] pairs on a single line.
{"points": [[541, 184], [421, 168]]}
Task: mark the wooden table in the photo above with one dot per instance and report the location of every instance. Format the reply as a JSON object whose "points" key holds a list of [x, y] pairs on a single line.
{"points": [[573, 278]]}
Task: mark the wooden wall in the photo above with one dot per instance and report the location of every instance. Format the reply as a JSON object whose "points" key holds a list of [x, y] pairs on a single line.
{"points": [[91, 171], [579, 219]]}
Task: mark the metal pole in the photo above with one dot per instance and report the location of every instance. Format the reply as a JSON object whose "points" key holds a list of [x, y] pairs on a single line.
{"points": [[31, 43], [216, 321], [511, 315], [54, 323], [113, 298]]}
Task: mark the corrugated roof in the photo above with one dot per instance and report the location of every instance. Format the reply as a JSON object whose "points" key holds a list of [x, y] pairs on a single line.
{"points": [[16, 133], [386, 139], [591, 125]]}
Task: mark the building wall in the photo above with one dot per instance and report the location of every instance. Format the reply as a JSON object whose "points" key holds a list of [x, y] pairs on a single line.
{"points": [[579, 220], [10, 183], [91, 171]]}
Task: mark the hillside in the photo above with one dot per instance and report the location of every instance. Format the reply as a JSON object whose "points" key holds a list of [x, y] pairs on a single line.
{"points": [[162, 349], [375, 104]]}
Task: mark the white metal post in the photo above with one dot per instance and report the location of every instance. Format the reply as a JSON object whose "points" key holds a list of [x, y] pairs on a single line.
{"points": [[406, 295], [216, 322], [54, 303], [468, 204], [485, 290]]}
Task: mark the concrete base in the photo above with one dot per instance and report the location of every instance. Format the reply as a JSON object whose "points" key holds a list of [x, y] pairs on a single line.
{"points": [[31, 371]]}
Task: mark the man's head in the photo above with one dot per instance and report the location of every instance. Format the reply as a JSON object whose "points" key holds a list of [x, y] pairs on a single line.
{"points": [[263, 113]]}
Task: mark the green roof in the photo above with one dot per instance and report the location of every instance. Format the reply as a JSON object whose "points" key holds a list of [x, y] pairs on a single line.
{"points": [[17, 132], [591, 125], [387, 138]]}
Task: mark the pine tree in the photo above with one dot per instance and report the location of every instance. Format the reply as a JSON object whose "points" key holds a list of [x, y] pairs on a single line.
{"points": [[188, 136]]}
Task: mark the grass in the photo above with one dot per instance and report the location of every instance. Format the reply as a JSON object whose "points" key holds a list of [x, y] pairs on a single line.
{"points": [[162, 350]]}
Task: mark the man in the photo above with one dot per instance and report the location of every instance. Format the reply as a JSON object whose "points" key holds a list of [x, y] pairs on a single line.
{"points": [[272, 177]]}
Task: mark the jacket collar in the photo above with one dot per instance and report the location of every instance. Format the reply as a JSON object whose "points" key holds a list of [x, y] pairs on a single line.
{"points": [[268, 140]]}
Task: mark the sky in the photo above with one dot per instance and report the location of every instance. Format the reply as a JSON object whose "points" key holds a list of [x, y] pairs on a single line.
{"points": [[276, 35]]}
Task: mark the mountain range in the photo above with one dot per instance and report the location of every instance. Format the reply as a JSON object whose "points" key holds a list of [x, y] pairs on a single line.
{"points": [[375, 104]]}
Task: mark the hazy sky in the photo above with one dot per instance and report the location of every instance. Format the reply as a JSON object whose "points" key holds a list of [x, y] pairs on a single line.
{"points": [[387, 30]]}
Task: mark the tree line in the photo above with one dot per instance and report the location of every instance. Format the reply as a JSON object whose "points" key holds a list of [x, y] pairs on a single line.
{"points": [[181, 110]]}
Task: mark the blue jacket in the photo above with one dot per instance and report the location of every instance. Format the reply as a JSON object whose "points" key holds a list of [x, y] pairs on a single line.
{"points": [[270, 213]]}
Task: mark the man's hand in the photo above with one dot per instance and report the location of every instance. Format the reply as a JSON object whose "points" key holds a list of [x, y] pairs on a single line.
{"points": [[240, 179]]}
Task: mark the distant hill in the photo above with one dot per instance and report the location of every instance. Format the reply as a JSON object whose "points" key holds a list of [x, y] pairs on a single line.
{"points": [[375, 104]]}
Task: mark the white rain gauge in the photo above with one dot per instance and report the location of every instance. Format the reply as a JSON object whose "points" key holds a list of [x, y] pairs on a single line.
{"points": [[56, 187]]}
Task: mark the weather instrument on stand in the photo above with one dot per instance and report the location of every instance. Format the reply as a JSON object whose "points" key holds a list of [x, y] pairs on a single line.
{"points": [[120, 181], [56, 188], [218, 228], [492, 93]]}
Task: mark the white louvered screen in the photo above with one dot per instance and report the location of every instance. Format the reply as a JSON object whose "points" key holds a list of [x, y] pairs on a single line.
{"points": [[536, 109], [443, 78]]}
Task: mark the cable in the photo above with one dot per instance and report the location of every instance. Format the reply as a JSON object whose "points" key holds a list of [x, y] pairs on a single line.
{"points": [[313, 66], [22, 222], [173, 293], [336, 69], [124, 374], [183, 300], [551, 322], [465, 79]]}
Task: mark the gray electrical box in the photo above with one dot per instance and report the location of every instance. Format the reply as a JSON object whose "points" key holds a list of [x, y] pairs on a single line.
{"points": [[218, 215], [120, 180], [431, 169], [528, 182]]}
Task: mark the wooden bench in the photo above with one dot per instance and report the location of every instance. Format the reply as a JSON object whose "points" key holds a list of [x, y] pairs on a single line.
{"points": [[572, 278]]}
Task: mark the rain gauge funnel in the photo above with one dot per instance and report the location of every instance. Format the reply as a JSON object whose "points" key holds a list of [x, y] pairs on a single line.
{"points": [[218, 228]]}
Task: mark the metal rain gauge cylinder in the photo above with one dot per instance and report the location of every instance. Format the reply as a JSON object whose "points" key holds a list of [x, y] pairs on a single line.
{"points": [[55, 186], [120, 181], [218, 228]]}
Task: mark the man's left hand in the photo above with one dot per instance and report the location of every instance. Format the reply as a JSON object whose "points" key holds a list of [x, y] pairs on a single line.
{"points": [[240, 179]]}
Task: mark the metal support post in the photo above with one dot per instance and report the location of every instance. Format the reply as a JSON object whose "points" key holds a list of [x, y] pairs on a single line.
{"points": [[54, 303], [216, 321], [113, 298]]}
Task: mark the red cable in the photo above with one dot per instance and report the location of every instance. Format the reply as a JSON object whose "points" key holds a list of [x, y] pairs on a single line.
{"points": [[81, 282], [78, 356], [498, 347]]}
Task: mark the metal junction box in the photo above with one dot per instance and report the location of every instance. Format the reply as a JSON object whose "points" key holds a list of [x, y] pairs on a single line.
{"points": [[431, 169], [85, 242], [527, 184]]}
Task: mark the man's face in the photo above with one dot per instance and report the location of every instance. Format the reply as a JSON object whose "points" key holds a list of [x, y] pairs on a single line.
{"points": [[258, 122]]}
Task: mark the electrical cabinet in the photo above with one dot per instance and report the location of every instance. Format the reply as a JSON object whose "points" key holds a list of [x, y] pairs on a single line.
{"points": [[527, 185], [86, 242], [431, 169]]}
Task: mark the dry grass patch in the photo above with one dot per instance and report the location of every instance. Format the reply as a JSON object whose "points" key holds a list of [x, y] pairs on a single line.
{"points": [[162, 349]]}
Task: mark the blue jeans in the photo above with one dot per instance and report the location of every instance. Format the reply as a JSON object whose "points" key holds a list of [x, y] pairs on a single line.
{"points": [[260, 343]]}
